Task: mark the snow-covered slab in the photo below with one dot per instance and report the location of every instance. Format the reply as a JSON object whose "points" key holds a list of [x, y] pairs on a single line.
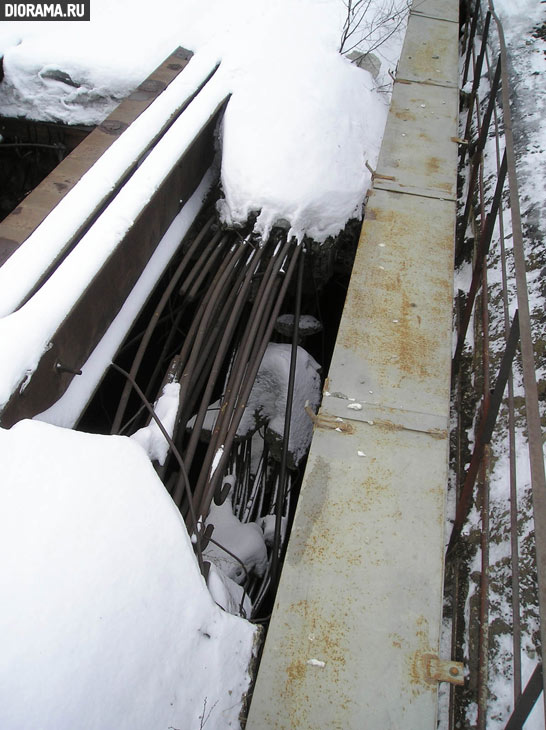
{"points": [[37, 205], [358, 611], [105, 620], [97, 175], [67, 316]]}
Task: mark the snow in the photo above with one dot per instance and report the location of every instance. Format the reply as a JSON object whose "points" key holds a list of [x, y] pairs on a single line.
{"points": [[266, 404], [245, 540], [67, 410], [150, 437], [105, 618], [26, 333], [27, 264], [267, 400], [228, 594], [288, 154]]}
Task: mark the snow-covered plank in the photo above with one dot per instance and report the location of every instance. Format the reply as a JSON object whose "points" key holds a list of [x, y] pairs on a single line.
{"points": [[99, 166], [67, 316], [358, 611], [28, 215]]}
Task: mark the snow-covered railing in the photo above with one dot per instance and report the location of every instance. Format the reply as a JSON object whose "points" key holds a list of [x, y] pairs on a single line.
{"points": [[494, 322]]}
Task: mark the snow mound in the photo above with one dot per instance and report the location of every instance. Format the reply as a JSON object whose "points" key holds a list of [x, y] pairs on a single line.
{"points": [[266, 404], [104, 616], [150, 437], [267, 401], [302, 120], [245, 540]]}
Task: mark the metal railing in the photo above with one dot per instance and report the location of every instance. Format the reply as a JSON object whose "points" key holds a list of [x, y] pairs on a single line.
{"points": [[489, 232]]}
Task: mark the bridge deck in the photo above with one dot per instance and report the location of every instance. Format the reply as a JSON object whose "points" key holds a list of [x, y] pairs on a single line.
{"points": [[357, 615]]}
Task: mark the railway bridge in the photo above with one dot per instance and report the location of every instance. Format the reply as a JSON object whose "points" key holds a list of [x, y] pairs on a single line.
{"points": [[350, 582]]}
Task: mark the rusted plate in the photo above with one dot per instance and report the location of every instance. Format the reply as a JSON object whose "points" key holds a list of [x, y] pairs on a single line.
{"points": [[18, 226], [431, 51], [359, 589], [394, 343], [418, 150], [440, 9], [358, 610]]}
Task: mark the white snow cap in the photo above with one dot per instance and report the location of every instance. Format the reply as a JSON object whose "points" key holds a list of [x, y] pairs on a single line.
{"points": [[301, 123], [105, 620]]}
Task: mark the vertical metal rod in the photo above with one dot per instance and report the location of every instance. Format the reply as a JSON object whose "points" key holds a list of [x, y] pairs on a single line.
{"points": [[149, 330], [514, 547], [534, 427], [483, 250], [477, 77], [292, 256], [483, 644], [484, 433], [459, 476], [470, 41], [279, 505]]}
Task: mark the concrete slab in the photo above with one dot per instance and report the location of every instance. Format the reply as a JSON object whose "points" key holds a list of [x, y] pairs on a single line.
{"points": [[395, 335], [358, 611], [419, 153]]}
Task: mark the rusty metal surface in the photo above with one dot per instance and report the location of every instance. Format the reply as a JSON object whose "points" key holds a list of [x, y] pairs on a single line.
{"points": [[418, 149], [358, 610], [430, 54], [356, 587], [395, 338], [446, 10], [18, 226]]}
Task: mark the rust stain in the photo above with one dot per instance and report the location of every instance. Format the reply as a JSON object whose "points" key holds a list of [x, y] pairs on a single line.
{"points": [[405, 115], [419, 661], [448, 187], [328, 640], [295, 671], [322, 420], [389, 294], [433, 165]]}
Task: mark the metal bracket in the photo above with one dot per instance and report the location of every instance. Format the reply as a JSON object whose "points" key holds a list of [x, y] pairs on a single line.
{"points": [[442, 670]]}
